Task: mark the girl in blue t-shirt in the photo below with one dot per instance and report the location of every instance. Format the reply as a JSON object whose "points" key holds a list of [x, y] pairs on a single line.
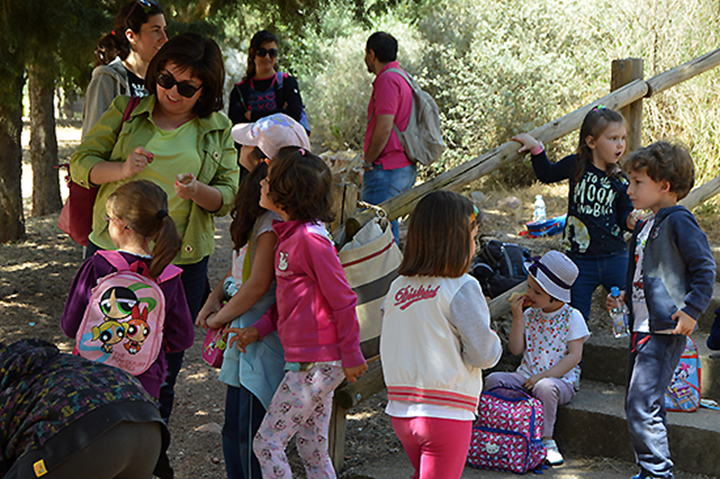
{"points": [[598, 205]]}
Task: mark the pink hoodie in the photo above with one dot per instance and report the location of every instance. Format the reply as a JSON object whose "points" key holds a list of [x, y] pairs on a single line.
{"points": [[315, 310]]}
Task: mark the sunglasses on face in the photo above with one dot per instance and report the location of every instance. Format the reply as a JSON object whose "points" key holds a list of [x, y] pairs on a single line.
{"points": [[261, 52], [167, 81]]}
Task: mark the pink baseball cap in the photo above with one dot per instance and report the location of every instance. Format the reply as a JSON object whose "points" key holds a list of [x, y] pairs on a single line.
{"points": [[271, 133]]}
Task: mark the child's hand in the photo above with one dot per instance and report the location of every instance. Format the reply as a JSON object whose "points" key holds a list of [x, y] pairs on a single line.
{"points": [[211, 307], [186, 186], [243, 337], [527, 141], [610, 302], [530, 382], [214, 322], [517, 301], [351, 374], [686, 324]]}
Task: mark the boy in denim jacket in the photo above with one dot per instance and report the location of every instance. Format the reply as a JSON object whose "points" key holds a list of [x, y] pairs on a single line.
{"points": [[670, 280]]}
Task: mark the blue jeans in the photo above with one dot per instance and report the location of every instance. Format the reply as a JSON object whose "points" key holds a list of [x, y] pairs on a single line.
{"points": [[380, 185], [606, 270], [243, 415], [651, 363]]}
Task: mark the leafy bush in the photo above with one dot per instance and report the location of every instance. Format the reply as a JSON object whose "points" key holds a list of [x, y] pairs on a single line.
{"points": [[508, 66]]}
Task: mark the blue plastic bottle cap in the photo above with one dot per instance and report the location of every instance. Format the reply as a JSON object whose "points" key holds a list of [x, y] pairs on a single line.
{"points": [[614, 292]]}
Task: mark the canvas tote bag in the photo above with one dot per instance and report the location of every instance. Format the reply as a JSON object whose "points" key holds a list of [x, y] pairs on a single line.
{"points": [[371, 262]]}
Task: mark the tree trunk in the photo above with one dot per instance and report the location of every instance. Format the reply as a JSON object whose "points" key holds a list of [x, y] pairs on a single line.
{"points": [[43, 148], [12, 221]]}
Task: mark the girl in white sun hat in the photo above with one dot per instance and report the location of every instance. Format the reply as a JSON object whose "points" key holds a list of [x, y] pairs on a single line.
{"points": [[550, 335], [264, 138], [249, 288]]}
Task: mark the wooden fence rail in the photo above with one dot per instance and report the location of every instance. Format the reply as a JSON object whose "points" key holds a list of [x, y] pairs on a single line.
{"points": [[480, 166], [372, 382]]}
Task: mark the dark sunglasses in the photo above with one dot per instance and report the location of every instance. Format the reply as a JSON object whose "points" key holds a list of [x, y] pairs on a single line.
{"points": [[261, 52], [146, 5], [167, 81]]}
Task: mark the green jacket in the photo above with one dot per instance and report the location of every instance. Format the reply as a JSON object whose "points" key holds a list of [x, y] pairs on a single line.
{"points": [[107, 142]]}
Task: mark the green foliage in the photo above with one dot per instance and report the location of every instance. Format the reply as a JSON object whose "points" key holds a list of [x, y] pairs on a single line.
{"points": [[504, 67]]}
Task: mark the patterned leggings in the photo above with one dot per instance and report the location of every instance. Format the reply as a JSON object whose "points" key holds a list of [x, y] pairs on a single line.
{"points": [[302, 405]]}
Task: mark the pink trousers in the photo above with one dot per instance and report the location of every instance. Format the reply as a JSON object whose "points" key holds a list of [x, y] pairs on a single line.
{"points": [[437, 448], [550, 391]]}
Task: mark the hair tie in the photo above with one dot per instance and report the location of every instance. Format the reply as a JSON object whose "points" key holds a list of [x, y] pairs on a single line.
{"points": [[302, 151], [161, 214], [599, 107], [112, 33]]}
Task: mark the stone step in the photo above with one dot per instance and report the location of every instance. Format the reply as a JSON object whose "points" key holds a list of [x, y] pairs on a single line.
{"points": [[593, 424], [707, 318], [605, 360]]}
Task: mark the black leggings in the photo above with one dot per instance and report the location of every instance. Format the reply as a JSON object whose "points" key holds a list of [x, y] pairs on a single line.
{"points": [[129, 450]]}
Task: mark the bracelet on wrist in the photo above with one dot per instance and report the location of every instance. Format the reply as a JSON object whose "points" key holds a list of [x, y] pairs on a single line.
{"points": [[538, 149]]}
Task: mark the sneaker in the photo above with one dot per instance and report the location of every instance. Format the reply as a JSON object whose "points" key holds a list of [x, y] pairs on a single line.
{"points": [[554, 458]]}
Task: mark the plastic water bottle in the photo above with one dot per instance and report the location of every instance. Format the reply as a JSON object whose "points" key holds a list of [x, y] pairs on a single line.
{"points": [[539, 214], [619, 315]]}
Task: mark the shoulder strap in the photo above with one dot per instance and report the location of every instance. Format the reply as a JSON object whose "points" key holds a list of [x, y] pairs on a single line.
{"points": [[403, 74], [116, 259], [279, 79], [169, 273], [134, 101]]}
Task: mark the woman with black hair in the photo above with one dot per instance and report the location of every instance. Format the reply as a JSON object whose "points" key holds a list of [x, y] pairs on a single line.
{"points": [[176, 138], [264, 90], [122, 57]]}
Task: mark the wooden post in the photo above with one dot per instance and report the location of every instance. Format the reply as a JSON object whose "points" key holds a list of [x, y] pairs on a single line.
{"points": [[624, 72], [336, 435]]}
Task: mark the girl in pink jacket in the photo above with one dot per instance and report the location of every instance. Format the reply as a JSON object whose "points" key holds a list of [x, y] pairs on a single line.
{"points": [[314, 316]]}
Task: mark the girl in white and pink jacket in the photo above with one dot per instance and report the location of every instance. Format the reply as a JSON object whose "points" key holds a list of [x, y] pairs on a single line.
{"points": [[436, 337], [314, 316]]}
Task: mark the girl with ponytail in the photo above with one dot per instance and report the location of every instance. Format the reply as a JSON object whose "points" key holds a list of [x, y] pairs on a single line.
{"points": [[137, 215]]}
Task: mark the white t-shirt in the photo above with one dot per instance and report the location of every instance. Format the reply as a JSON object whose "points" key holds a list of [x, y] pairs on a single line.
{"points": [[641, 323], [546, 338], [262, 225]]}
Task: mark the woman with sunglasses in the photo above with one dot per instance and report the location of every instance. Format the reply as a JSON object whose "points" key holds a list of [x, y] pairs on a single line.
{"points": [[122, 57], [264, 90], [177, 139]]}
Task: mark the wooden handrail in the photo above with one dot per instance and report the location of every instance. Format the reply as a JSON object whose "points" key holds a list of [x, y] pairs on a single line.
{"points": [[469, 171]]}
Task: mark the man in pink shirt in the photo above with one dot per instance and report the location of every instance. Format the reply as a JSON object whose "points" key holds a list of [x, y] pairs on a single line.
{"points": [[388, 171]]}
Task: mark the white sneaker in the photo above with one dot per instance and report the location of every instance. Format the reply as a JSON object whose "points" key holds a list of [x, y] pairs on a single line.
{"points": [[554, 458]]}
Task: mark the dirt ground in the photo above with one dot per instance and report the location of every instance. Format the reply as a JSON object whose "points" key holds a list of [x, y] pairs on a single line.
{"points": [[35, 274]]}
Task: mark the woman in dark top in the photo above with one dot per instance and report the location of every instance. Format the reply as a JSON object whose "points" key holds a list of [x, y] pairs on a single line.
{"points": [[264, 90]]}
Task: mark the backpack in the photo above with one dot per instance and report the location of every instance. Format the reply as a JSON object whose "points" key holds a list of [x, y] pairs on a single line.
{"points": [[683, 393], [422, 138], [303, 116], [123, 322], [507, 433], [499, 266]]}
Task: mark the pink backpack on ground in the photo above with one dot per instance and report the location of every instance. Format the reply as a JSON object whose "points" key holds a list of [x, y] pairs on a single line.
{"points": [[124, 320], [507, 433]]}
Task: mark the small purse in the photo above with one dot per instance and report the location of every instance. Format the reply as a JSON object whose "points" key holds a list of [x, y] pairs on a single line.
{"points": [[216, 339], [214, 346]]}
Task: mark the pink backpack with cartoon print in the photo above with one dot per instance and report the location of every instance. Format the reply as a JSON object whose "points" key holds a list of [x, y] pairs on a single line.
{"points": [[507, 433], [124, 319]]}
